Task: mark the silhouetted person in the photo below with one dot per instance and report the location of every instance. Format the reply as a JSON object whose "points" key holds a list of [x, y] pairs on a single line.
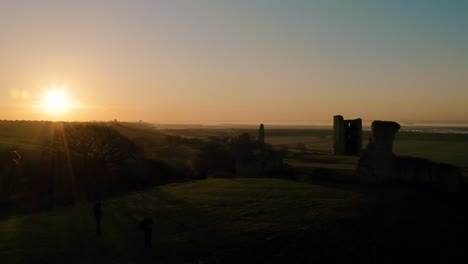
{"points": [[98, 215], [147, 226]]}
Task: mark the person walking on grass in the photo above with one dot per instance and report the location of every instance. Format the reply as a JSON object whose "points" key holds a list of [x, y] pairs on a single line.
{"points": [[147, 226], [98, 216]]}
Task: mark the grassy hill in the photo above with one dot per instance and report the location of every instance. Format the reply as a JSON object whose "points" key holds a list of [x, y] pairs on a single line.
{"points": [[246, 220], [240, 220]]}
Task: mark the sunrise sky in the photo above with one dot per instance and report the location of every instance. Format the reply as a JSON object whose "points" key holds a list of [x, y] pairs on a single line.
{"points": [[243, 61]]}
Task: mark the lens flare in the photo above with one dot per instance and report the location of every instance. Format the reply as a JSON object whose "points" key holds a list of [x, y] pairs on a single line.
{"points": [[56, 100]]}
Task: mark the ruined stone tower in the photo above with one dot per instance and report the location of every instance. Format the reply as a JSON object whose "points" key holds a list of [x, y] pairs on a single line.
{"points": [[347, 136], [377, 161], [261, 135]]}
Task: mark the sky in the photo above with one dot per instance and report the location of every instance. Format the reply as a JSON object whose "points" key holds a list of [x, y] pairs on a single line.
{"points": [[243, 61]]}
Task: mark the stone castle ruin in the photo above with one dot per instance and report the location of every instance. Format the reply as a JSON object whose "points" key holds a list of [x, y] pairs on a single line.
{"points": [[377, 160], [379, 163], [264, 161], [347, 136]]}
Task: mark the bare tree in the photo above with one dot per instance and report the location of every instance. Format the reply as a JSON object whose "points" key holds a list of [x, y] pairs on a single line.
{"points": [[102, 143]]}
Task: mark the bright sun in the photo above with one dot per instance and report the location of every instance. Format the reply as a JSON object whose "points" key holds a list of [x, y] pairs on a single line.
{"points": [[56, 101]]}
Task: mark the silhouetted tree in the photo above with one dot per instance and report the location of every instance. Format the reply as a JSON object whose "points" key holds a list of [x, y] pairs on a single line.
{"points": [[243, 146], [95, 142], [214, 156], [106, 162]]}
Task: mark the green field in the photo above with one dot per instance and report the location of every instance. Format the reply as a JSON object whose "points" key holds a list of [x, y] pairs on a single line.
{"points": [[240, 220], [206, 220], [249, 220], [446, 148]]}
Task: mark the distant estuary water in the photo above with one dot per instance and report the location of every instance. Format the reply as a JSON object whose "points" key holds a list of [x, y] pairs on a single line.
{"points": [[437, 130]]}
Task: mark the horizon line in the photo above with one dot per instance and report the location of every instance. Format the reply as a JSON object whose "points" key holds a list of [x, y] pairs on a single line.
{"points": [[318, 123]]}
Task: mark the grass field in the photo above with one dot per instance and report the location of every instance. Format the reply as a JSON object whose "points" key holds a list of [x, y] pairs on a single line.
{"points": [[447, 148], [251, 220], [245, 220], [440, 147], [206, 220]]}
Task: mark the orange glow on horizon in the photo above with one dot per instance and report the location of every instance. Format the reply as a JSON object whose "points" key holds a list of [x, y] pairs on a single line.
{"points": [[57, 101]]}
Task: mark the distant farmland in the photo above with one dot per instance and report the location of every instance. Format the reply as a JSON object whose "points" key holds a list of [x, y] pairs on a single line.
{"points": [[440, 147], [446, 148]]}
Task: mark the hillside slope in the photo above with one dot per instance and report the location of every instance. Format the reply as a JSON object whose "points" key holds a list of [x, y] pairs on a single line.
{"points": [[238, 220], [198, 220]]}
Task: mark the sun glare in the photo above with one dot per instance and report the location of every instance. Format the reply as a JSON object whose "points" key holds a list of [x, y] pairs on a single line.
{"points": [[56, 101]]}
